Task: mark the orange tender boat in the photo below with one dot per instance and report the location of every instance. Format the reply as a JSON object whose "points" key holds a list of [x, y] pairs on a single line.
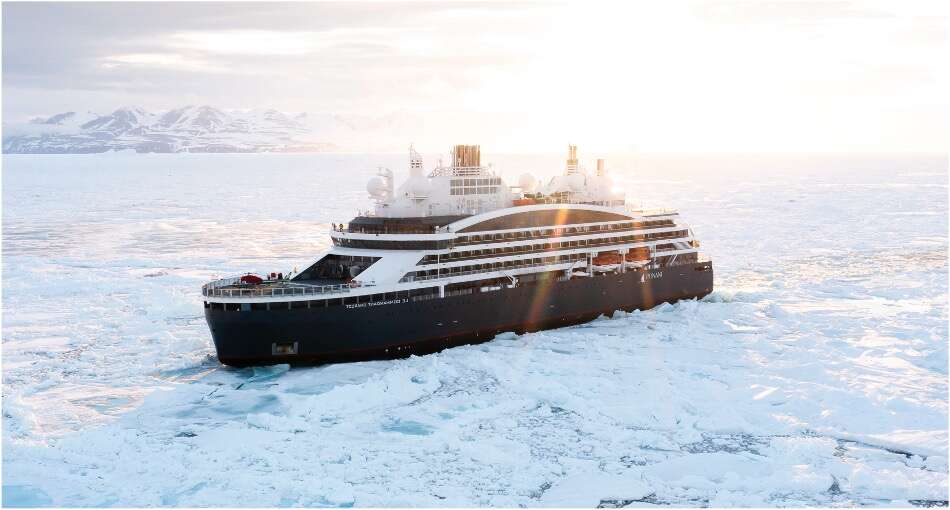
{"points": [[607, 258], [638, 254]]}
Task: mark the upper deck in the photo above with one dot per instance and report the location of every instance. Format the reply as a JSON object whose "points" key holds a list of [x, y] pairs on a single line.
{"points": [[371, 224], [528, 221], [463, 224], [234, 287], [467, 188]]}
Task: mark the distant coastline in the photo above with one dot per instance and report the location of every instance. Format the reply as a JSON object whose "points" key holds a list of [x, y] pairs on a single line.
{"points": [[205, 129]]}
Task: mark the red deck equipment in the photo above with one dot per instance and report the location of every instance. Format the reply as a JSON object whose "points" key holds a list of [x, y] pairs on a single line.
{"points": [[252, 279]]}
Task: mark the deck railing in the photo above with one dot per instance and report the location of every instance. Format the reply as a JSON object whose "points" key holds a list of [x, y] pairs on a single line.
{"points": [[642, 212], [219, 288], [446, 275]]}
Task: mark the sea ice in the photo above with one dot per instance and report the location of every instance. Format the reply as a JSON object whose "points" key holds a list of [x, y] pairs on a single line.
{"points": [[816, 373]]}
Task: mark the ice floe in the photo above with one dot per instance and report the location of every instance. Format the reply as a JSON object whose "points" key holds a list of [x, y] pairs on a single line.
{"points": [[816, 374]]}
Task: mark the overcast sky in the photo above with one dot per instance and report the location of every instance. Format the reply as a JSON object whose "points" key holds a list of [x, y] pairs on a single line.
{"points": [[656, 76]]}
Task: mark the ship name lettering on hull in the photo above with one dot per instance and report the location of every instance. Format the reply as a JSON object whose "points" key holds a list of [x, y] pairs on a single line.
{"points": [[378, 303]]}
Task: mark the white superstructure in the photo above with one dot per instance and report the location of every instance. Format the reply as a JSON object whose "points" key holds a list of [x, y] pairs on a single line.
{"points": [[466, 187], [461, 228]]}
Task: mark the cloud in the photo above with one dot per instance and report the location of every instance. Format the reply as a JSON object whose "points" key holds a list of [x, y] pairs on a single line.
{"points": [[166, 61], [246, 42], [701, 74], [787, 11]]}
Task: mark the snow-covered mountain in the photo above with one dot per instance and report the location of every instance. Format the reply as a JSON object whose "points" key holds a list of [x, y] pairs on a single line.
{"points": [[187, 129]]}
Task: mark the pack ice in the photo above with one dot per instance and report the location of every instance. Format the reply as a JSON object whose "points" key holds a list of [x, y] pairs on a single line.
{"points": [[816, 373]]}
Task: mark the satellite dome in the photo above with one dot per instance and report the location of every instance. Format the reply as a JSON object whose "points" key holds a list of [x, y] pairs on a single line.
{"points": [[577, 182], [528, 183], [417, 186], [377, 187]]}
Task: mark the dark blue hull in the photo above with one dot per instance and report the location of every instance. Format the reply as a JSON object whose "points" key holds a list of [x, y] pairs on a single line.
{"points": [[402, 326]]}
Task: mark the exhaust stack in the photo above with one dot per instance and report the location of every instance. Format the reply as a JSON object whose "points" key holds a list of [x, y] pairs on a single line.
{"points": [[571, 160], [467, 156]]}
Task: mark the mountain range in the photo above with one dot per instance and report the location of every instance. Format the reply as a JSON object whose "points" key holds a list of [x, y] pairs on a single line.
{"points": [[203, 129]]}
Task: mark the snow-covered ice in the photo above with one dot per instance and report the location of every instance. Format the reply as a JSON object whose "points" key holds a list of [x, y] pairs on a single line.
{"points": [[815, 374]]}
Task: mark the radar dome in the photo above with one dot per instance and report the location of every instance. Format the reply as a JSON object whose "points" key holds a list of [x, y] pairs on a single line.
{"points": [[577, 182], [528, 183], [417, 187], [377, 187]]}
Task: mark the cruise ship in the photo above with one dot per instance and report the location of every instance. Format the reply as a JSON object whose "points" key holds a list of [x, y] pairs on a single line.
{"points": [[456, 256]]}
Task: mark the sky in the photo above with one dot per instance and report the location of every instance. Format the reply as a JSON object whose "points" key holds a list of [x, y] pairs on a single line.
{"points": [[700, 76]]}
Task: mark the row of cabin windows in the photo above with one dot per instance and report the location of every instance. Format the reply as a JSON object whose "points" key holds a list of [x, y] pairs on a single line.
{"points": [[494, 181], [475, 239], [495, 284], [474, 191], [391, 245], [494, 266], [411, 295], [558, 232], [391, 228], [512, 250]]}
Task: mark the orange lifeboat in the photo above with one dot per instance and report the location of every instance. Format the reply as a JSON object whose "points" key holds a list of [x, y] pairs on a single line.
{"points": [[606, 258], [637, 254]]}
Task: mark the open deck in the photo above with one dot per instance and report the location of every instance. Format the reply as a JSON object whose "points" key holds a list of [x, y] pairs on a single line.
{"points": [[234, 287]]}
